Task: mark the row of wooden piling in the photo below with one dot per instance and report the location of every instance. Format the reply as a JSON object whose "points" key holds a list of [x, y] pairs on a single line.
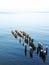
{"points": [[25, 36], [30, 41], [42, 53]]}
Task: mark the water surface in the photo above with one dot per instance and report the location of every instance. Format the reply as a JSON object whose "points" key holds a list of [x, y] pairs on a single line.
{"points": [[11, 51]]}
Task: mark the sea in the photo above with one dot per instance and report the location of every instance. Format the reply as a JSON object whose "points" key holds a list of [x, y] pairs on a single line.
{"points": [[34, 24]]}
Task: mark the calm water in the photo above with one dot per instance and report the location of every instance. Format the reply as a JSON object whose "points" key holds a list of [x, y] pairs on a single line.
{"points": [[11, 51]]}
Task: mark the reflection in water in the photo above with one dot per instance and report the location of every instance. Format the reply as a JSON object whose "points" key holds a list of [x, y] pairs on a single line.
{"points": [[23, 44], [25, 49], [31, 50], [20, 40]]}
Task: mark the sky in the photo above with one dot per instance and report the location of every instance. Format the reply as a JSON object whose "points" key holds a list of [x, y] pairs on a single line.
{"points": [[24, 5], [27, 7]]}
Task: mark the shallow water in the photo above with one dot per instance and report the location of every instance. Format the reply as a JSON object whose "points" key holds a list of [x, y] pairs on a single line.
{"points": [[11, 51]]}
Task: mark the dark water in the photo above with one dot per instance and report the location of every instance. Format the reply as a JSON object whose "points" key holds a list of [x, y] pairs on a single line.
{"points": [[12, 52]]}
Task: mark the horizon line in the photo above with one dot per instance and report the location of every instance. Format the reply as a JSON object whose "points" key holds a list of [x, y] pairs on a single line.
{"points": [[21, 12]]}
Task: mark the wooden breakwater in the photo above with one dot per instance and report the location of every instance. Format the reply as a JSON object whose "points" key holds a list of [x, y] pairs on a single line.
{"points": [[30, 41]]}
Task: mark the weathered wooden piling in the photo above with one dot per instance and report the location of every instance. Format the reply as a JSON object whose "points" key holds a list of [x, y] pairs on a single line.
{"points": [[46, 49], [39, 48], [28, 40], [14, 33], [32, 45], [43, 55]]}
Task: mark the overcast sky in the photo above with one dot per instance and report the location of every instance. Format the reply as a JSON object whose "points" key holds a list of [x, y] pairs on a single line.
{"points": [[24, 5]]}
